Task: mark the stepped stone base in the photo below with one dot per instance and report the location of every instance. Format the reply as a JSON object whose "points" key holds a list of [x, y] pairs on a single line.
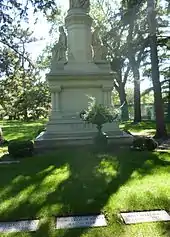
{"points": [[52, 141]]}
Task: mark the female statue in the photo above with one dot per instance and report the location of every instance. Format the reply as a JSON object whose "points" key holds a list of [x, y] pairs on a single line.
{"points": [[84, 4], [59, 50], [99, 50]]}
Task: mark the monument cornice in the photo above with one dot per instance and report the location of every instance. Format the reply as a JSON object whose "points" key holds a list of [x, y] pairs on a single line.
{"points": [[107, 88], [78, 18], [55, 89], [76, 76], [80, 86]]}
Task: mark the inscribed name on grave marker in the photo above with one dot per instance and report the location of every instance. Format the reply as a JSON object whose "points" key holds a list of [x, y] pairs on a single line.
{"points": [[146, 216], [18, 226], [80, 221]]}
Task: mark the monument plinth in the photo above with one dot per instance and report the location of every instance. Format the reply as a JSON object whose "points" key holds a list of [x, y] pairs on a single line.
{"points": [[84, 73]]}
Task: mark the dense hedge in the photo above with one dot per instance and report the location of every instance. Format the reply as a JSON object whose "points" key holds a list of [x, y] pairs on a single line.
{"points": [[18, 149]]}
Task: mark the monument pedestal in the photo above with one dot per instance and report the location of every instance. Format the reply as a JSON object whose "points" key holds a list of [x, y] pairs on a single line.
{"points": [[70, 95], [72, 83]]}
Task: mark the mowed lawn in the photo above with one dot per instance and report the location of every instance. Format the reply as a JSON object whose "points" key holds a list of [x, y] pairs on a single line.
{"points": [[146, 128], [29, 130], [20, 130], [80, 182]]}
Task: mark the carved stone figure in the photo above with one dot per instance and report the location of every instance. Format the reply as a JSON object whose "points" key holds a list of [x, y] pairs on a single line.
{"points": [[84, 4], [59, 50], [99, 50]]}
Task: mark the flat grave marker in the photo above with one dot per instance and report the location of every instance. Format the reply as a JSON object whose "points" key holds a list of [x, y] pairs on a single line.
{"points": [[9, 162], [80, 221], [19, 226], [145, 216]]}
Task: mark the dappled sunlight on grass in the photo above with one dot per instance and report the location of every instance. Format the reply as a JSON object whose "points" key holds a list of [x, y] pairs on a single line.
{"points": [[48, 186], [146, 229], [19, 122], [145, 132], [31, 191], [14, 202], [78, 182], [146, 128], [19, 135], [21, 130], [146, 193], [61, 174], [3, 150], [50, 168], [107, 168]]}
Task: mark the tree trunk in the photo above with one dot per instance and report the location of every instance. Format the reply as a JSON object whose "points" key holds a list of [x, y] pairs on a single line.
{"points": [[25, 116], [123, 100], [135, 69], [168, 117], [10, 117], [137, 98], [25, 113], [158, 102]]}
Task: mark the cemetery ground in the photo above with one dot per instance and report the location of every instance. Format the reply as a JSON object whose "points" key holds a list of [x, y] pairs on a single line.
{"points": [[81, 182]]}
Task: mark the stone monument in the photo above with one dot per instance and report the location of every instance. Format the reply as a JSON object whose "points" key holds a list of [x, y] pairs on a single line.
{"points": [[84, 72]]}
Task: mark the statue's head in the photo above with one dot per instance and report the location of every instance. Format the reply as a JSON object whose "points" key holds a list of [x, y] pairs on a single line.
{"points": [[97, 29], [61, 29]]}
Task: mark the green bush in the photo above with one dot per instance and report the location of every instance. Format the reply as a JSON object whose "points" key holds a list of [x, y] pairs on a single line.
{"points": [[98, 114], [19, 149]]}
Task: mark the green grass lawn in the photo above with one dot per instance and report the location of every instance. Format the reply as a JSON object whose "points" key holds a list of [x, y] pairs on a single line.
{"points": [[82, 182], [29, 130], [20, 130], [142, 128]]}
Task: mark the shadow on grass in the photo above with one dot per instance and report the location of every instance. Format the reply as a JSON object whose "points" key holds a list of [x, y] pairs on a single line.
{"points": [[166, 228], [89, 181]]}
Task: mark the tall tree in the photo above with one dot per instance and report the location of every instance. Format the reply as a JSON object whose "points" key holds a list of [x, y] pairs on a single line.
{"points": [[163, 45], [158, 102], [137, 43], [20, 85], [152, 23], [112, 32]]}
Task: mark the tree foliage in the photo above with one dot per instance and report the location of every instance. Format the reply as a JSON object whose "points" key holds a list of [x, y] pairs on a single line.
{"points": [[13, 12], [22, 93]]}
